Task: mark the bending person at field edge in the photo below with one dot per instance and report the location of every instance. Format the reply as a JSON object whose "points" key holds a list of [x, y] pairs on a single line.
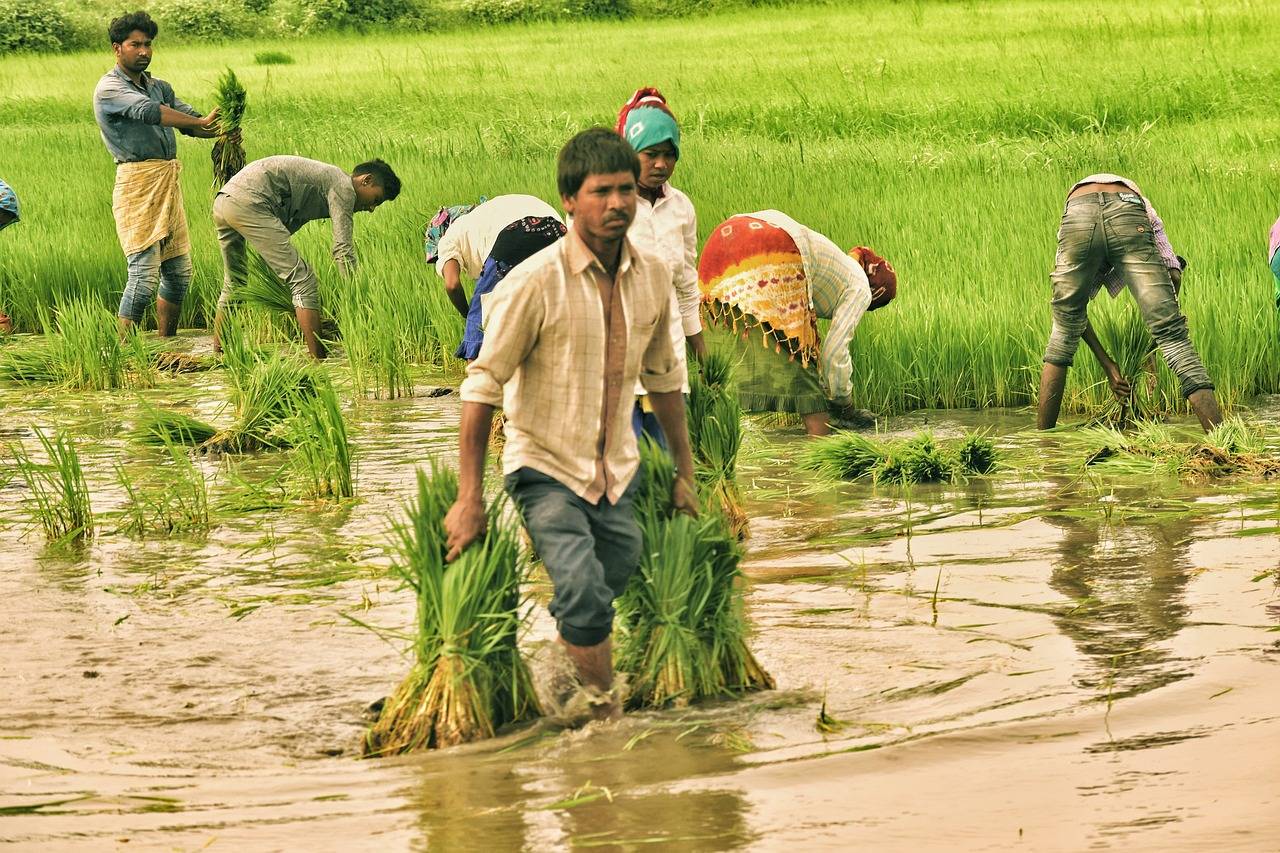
{"points": [[1273, 252], [486, 241], [9, 214], [666, 224], [268, 201], [137, 114], [569, 333], [1111, 236], [765, 270]]}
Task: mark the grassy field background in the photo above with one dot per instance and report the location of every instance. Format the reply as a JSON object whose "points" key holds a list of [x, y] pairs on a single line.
{"points": [[944, 135]]}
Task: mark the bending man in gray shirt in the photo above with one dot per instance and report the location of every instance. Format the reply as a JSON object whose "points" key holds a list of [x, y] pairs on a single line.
{"points": [[270, 199], [137, 115]]}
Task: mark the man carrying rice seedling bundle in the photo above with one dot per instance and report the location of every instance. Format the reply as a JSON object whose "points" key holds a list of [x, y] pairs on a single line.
{"points": [[765, 270], [568, 335], [268, 201], [486, 241], [137, 115], [8, 216], [1111, 235], [666, 224]]}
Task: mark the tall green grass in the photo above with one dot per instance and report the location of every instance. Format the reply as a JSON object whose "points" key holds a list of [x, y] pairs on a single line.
{"points": [[947, 144], [82, 350]]}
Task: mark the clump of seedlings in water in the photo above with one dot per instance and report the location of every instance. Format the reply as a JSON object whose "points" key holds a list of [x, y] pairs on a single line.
{"points": [[321, 451], [176, 502], [715, 436], [81, 349], [57, 494], [919, 459], [265, 291], [682, 625], [375, 345], [228, 152], [1233, 449], [468, 678]]}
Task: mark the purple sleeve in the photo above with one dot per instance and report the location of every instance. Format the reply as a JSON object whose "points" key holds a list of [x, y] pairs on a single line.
{"points": [[1167, 254]]}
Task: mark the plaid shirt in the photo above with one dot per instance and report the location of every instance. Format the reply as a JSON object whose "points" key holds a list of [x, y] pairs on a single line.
{"points": [[563, 370], [838, 291], [1110, 277]]}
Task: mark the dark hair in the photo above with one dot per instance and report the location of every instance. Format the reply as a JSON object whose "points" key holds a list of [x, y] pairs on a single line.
{"points": [[595, 151], [382, 176], [122, 26]]}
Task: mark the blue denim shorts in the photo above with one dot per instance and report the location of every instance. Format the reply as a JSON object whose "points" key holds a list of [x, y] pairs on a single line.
{"points": [[590, 550]]}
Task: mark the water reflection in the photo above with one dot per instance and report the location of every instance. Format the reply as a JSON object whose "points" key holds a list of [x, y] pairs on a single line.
{"points": [[1128, 581]]}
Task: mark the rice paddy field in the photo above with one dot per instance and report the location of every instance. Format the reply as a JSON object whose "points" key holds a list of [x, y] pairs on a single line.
{"points": [[1074, 646]]}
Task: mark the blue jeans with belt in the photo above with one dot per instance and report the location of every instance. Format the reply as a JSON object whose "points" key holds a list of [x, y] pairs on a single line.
{"points": [[1102, 230]]}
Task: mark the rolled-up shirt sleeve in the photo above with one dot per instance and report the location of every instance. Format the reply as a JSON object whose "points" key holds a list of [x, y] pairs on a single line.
{"points": [[514, 315], [687, 291], [846, 294], [119, 101], [1161, 237], [344, 250], [660, 370], [174, 102]]}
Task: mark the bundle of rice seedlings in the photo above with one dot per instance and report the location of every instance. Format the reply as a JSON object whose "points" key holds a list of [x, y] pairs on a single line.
{"points": [[682, 622], [321, 452], [29, 362], [164, 427], [1232, 449], [178, 362], [81, 349], [265, 290], [265, 393], [842, 455], [919, 459], [468, 678], [976, 454], [1127, 340], [228, 156], [179, 505], [57, 494], [715, 436]]}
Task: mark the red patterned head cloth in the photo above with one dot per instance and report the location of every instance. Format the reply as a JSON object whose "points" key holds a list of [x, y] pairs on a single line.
{"points": [[880, 274]]}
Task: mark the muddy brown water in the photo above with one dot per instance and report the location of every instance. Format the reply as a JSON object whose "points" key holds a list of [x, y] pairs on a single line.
{"points": [[1007, 669]]}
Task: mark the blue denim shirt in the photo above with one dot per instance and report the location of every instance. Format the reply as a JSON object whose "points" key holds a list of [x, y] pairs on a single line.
{"points": [[129, 117]]}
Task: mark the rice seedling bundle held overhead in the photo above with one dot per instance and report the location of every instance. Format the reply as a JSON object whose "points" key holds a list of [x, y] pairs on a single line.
{"points": [[468, 678], [682, 620], [228, 151]]}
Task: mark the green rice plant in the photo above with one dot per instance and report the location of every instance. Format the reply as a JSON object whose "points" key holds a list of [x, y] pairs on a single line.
{"points": [[272, 57], [81, 350], [321, 452], [1127, 341], [162, 427], [376, 343], [468, 678], [228, 152], [1233, 449], [976, 454], [57, 494], [715, 436], [682, 621], [919, 459], [842, 455], [173, 499]]}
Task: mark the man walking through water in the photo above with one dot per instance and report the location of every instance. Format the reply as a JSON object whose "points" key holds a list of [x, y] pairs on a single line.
{"points": [[137, 115], [568, 334], [1110, 235]]}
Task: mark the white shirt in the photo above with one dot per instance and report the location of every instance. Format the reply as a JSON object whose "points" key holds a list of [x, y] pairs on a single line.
{"points": [[470, 238], [668, 228]]}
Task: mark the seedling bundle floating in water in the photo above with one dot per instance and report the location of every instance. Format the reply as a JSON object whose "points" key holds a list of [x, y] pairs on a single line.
{"points": [[715, 435], [682, 624], [468, 678], [1232, 449], [920, 459]]}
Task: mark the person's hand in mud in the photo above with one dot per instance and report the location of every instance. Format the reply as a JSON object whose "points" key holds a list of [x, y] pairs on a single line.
{"points": [[684, 496], [463, 524]]}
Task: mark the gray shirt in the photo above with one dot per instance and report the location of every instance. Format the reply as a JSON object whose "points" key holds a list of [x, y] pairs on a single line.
{"points": [[297, 190], [129, 117]]}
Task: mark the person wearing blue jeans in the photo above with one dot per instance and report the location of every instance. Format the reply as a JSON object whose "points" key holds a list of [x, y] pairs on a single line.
{"points": [[1109, 233]]}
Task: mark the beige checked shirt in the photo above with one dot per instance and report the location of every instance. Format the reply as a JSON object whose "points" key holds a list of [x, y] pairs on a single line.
{"points": [[563, 369]]}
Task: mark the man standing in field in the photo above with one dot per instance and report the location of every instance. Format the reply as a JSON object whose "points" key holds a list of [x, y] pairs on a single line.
{"points": [[569, 333], [270, 199], [137, 115], [1110, 235]]}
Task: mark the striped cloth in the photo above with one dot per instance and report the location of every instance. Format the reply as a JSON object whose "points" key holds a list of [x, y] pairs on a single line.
{"points": [[778, 272], [147, 205]]}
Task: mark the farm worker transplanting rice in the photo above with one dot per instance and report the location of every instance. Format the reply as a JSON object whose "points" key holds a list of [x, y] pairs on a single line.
{"points": [[486, 241], [666, 224], [569, 332], [768, 271], [137, 114], [1110, 235], [9, 214], [270, 199]]}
